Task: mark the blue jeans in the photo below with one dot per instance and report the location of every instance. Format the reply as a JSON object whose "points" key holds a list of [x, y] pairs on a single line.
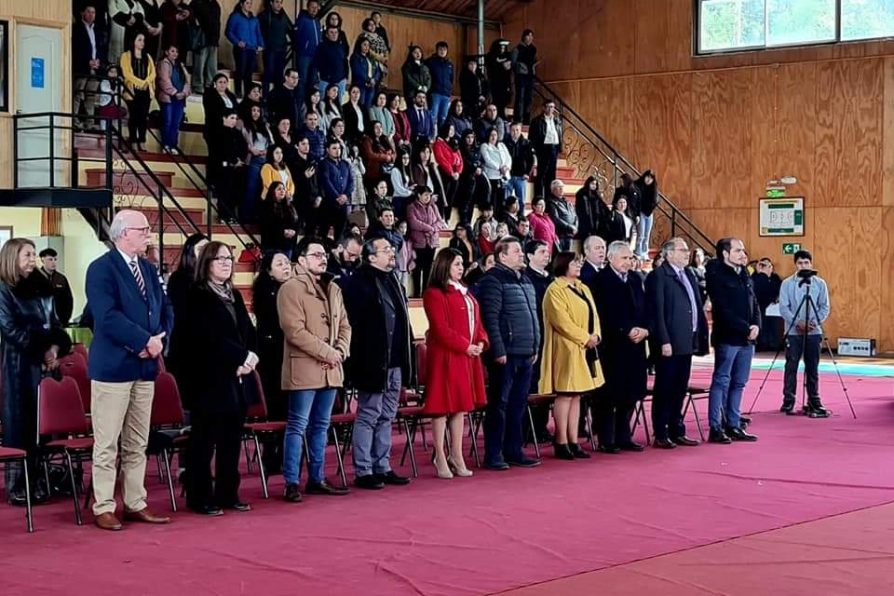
{"points": [[171, 116], [367, 94], [246, 61], [307, 76], [371, 444], [732, 367], [342, 85], [643, 232], [518, 186], [506, 402], [274, 68], [440, 105], [310, 411]]}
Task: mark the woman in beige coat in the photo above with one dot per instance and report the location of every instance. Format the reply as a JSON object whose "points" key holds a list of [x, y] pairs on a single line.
{"points": [[569, 363], [317, 342]]}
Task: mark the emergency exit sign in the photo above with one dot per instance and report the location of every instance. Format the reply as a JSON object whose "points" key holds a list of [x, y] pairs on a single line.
{"points": [[790, 248]]}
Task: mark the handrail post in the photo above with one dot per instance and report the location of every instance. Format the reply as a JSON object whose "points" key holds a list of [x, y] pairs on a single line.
{"points": [[108, 156], [15, 151], [161, 224], [52, 151], [673, 222]]}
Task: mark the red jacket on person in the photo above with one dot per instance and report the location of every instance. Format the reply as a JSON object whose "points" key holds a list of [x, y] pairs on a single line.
{"points": [[454, 380], [543, 228], [449, 160]]}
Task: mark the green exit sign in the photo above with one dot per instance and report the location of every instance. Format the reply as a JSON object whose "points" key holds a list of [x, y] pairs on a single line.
{"points": [[790, 248], [775, 193]]}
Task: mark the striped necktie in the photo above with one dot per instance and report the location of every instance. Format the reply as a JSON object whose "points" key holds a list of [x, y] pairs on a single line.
{"points": [[138, 276]]}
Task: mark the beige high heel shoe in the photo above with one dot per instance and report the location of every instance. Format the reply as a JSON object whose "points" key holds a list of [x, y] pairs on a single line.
{"points": [[442, 471], [462, 472]]}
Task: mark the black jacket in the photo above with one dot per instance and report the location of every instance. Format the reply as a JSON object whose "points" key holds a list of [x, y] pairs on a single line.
{"points": [[766, 289], [219, 345], [270, 339], [634, 199], [285, 103], [207, 14], [670, 313], [593, 214], [81, 49], [648, 193], [537, 130], [509, 312], [472, 87], [734, 306], [522, 153], [62, 298], [214, 107], [276, 29], [367, 368], [377, 230], [615, 228], [621, 307], [28, 328], [275, 220], [178, 359], [563, 215]]}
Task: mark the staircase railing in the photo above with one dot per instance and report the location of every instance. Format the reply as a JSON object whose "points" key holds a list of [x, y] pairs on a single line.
{"points": [[590, 154]]}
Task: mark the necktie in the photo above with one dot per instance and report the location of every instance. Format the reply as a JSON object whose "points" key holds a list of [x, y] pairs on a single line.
{"points": [[138, 277], [685, 281]]}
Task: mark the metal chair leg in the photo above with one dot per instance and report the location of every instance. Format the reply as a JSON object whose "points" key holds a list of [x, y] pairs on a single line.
{"points": [[698, 422], [588, 418], [247, 456], [158, 468], [166, 460], [412, 438], [646, 423], [533, 431], [339, 458], [261, 467], [74, 489], [412, 451], [474, 444], [29, 517]]}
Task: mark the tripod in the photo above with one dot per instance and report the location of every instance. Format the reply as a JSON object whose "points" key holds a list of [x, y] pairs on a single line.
{"points": [[806, 303]]}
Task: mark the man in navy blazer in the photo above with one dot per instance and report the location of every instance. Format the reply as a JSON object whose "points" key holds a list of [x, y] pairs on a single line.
{"points": [[421, 124], [132, 318], [677, 330], [88, 50], [621, 303]]}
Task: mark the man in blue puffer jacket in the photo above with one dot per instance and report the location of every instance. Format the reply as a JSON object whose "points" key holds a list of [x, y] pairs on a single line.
{"points": [[244, 32], [306, 36], [441, 69], [509, 314], [331, 63]]}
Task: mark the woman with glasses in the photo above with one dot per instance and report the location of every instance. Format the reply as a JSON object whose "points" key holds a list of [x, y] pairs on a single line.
{"points": [[222, 341], [569, 362]]}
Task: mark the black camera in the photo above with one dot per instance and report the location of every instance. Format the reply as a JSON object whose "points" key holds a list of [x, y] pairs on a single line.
{"points": [[806, 275]]}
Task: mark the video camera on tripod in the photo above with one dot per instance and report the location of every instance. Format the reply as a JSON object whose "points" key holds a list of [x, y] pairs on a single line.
{"points": [[806, 275]]}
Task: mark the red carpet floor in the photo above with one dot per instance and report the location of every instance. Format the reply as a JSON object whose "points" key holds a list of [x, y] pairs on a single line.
{"points": [[490, 533]]}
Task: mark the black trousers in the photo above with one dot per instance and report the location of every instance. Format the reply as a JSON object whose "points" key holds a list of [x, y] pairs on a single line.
{"points": [[671, 385], [611, 421], [424, 259], [217, 435], [547, 158], [331, 216], [138, 119], [795, 348]]}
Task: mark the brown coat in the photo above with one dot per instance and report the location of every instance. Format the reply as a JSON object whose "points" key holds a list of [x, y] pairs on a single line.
{"points": [[315, 325]]}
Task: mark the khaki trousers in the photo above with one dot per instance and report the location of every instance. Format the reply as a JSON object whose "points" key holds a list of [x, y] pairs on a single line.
{"points": [[120, 410]]}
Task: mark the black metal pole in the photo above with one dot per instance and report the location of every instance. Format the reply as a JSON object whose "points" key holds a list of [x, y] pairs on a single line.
{"points": [[52, 151]]}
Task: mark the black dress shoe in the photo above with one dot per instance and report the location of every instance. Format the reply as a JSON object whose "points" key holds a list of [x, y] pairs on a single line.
{"points": [[238, 506], [17, 497], [324, 488], [524, 462], [664, 444], [209, 510], [718, 436], [610, 449], [562, 451], [685, 441], [292, 493], [393, 479], [369, 482], [788, 409], [631, 446], [737, 434], [497, 466], [578, 452], [743, 419]]}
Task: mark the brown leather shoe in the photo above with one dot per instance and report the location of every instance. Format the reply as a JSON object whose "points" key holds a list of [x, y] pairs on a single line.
{"points": [[107, 521], [146, 516]]}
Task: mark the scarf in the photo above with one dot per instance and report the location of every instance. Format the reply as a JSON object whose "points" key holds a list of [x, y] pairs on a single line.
{"points": [[223, 291]]}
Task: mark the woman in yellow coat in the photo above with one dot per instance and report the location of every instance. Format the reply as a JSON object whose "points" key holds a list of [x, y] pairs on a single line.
{"points": [[569, 363], [138, 71]]}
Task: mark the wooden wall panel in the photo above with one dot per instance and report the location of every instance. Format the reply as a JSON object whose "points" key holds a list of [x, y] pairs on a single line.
{"points": [[663, 132], [609, 107], [663, 39], [888, 134], [848, 132], [721, 171], [886, 250]]}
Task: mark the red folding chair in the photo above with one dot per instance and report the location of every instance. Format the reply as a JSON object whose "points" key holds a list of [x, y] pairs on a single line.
{"points": [[60, 412], [257, 426], [9, 455], [80, 349], [167, 413], [75, 366]]}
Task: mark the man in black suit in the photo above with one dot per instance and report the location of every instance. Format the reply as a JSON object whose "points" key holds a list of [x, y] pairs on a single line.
{"points": [[621, 303], [538, 256], [88, 54], [421, 124], [678, 330], [594, 260]]}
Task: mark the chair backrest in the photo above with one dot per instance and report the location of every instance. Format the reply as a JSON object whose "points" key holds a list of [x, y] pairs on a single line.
{"points": [[79, 349], [75, 366], [258, 410], [166, 407], [421, 367], [59, 408]]}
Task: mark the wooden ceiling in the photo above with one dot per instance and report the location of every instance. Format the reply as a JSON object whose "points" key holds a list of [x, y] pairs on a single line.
{"points": [[494, 10]]}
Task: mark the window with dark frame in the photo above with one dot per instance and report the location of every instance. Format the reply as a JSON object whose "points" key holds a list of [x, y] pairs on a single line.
{"points": [[741, 25]]}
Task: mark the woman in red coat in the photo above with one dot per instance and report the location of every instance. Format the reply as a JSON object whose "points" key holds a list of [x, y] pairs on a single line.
{"points": [[454, 381]]}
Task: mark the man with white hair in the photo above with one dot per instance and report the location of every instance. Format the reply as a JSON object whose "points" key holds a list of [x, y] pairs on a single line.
{"points": [[132, 318], [563, 215], [594, 259], [677, 330]]}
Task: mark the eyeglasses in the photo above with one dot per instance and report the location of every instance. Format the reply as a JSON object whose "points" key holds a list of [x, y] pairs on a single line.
{"points": [[686, 250], [316, 255], [387, 249], [223, 259], [143, 230]]}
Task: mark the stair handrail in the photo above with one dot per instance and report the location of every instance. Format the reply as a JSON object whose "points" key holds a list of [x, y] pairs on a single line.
{"points": [[665, 205]]}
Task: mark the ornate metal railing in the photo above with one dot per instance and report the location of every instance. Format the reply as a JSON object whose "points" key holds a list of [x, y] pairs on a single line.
{"points": [[590, 154]]}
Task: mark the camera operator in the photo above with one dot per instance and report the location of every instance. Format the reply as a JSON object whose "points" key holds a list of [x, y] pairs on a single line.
{"points": [[804, 332]]}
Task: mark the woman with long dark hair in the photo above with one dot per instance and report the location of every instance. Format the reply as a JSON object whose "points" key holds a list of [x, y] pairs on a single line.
{"points": [[331, 108], [592, 212], [138, 70], [379, 112], [221, 341], [402, 182], [415, 73], [279, 221], [258, 139], [313, 104], [276, 269], [458, 118], [173, 89], [275, 169], [474, 188], [403, 134], [455, 379], [365, 72], [425, 224], [463, 244], [31, 342], [450, 163], [426, 173], [216, 102]]}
